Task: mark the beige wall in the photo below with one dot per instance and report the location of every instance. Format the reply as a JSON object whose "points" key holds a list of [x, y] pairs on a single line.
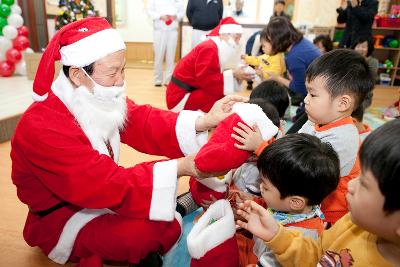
{"points": [[315, 12]]}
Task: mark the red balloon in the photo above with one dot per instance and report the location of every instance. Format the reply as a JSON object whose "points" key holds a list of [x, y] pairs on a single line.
{"points": [[23, 31], [13, 55], [21, 43], [7, 68]]}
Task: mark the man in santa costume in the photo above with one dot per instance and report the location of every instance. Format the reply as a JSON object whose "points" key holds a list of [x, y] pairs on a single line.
{"points": [[82, 205], [210, 71]]}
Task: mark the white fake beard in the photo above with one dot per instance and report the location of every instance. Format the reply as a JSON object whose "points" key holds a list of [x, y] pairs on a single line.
{"points": [[229, 54], [98, 115]]}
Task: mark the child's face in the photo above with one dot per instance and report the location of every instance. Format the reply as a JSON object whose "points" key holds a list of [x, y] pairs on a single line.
{"points": [[266, 47], [366, 208], [272, 197], [320, 107], [321, 47]]}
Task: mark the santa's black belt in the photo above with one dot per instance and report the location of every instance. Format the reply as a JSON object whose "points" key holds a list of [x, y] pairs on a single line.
{"points": [[44, 213], [183, 85]]}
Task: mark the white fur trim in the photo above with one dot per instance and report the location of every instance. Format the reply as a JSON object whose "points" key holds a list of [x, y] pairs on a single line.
{"points": [[189, 140], [163, 198], [229, 85], [204, 236], [214, 183], [230, 28], [39, 98], [179, 107], [251, 113], [61, 252], [92, 48]]}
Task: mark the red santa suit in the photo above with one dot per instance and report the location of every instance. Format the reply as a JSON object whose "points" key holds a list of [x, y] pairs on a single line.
{"points": [[81, 203], [199, 79]]}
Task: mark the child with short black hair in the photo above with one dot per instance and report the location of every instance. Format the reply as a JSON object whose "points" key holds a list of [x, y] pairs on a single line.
{"points": [[369, 235], [275, 93], [298, 171], [337, 83], [324, 43]]}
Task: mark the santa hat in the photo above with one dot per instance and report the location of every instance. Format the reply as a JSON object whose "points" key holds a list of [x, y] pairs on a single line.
{"points": [[226, 25], [212, 240], [77, 44], [220, 154]]}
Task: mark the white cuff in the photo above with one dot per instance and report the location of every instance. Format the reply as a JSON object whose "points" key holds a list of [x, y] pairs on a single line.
{"points": [[163, 198], [205, 236], [252, 113], [189, 141]]}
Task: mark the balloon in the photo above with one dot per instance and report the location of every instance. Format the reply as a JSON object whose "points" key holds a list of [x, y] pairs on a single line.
{"points": [[3, 23], [13, 55], [10, 32], [20, 68], [394, 43], [21, 43], [23, 30], [8, 2], [15, 9], [5, 10], [6, 68], [15, 20], [5, 44]]}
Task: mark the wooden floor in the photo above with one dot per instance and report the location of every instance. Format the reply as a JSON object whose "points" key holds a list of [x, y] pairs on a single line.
{"points": [[13, 250]]}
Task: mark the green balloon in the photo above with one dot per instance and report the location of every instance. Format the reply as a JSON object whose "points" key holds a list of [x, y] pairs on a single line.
{"points": [[5, 10], [394, 43], [3, 22], [8, 2]]}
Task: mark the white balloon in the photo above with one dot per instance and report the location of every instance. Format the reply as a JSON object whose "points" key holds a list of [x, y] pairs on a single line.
{"points": [[10, 32], [5, 44], [20, 68], [15, 9], [15, 20]]}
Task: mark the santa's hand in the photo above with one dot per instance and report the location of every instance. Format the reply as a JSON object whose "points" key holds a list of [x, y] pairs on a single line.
{"points": [[164, 18], [221, 109], [250, 139], [242, 74], [258, 220]]}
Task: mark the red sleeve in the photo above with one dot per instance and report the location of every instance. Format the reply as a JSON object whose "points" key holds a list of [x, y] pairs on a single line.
{"points": [[151, 130], [63, 160]]}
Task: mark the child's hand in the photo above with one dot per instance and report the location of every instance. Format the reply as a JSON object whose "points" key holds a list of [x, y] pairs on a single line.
{"points": [[207, 203], [259, 72], [250, 139], [259, 221]]}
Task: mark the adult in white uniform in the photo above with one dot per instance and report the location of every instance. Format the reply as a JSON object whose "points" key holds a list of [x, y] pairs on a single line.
{"points": [[166, 15]]}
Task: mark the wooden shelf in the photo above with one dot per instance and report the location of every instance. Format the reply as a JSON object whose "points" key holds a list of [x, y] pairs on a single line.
{"points": [[373, 28], [387, 48]]}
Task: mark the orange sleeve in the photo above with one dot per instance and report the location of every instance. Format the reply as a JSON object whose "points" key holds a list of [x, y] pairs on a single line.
{"points": [[263, 145]]}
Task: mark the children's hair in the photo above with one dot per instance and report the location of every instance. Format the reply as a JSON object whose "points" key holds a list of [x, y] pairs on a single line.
{"points": [[325, 41], [358, 113], [301, 165], [380, 154], [280, 2], [268, 108], [361, 40], [345, 71], [281, 33], [275, 93]]}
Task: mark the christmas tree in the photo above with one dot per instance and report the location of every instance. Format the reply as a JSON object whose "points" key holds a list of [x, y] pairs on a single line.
{"points": [[74, 10]]}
